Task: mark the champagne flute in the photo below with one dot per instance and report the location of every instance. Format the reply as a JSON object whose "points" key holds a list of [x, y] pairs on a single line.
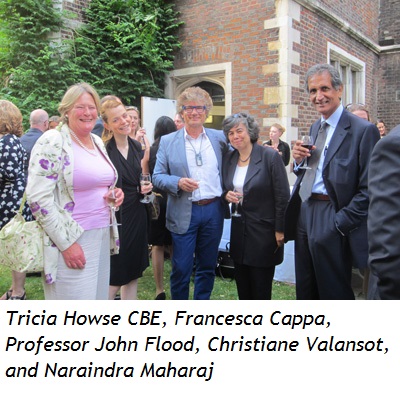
{"points": [[145, 181], [110, 199], [239, 196], [308, 144], [197, 177], [142, 141]]}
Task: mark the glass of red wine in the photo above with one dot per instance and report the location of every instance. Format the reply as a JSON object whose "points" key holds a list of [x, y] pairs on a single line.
{"points": [[307, 142]]}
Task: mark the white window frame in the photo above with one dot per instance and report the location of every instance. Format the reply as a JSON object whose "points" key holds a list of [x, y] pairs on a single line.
{"points": [[352, 72]]}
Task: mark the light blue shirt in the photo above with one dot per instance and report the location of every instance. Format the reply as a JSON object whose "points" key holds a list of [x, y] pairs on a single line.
{"points": [[333, 120]]}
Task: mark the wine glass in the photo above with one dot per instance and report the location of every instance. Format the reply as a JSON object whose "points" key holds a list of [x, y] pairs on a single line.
{"points": [[308, 144], [142, 141], [110, 199], [145, 180], [197, 177], [239, 196]]}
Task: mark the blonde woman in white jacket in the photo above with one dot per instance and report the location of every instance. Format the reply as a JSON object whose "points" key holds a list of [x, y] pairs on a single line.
{"points": [[70, 176]]}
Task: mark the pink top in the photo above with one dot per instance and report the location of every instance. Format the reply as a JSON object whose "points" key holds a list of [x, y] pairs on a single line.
{"points": [[92, 178]]}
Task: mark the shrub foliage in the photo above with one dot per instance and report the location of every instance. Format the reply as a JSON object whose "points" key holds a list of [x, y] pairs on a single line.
{"points": [[124, 47]]}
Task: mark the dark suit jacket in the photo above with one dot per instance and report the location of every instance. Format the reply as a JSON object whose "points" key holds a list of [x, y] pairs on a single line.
{"points": [[384, 213], [28, 140], [266, 193], [345, 176]]}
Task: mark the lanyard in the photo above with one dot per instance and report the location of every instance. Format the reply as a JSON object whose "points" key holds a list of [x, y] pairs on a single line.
{"points": [[198, 158]]}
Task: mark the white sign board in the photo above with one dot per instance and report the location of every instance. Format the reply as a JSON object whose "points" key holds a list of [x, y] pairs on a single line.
{"points": [[152, 109]]}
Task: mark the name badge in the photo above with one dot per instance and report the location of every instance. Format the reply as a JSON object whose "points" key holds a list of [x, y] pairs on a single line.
{"points": [[199, 160]]}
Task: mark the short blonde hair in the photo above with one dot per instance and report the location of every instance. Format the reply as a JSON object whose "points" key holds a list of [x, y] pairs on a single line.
{"points": [[73, 94], [10, 119]]}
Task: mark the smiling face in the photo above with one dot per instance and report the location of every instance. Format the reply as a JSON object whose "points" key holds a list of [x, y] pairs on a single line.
{"points": [[194, 121], [83, 115], [324, 97], [239, 137], [118, 121], [382, 128]]}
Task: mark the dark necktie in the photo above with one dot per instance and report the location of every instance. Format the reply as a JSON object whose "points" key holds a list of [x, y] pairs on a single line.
{"points": [[309, 176]]}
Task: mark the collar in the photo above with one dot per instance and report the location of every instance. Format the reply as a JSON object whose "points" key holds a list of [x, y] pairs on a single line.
{"points": [[333, 120], [188, 137]]}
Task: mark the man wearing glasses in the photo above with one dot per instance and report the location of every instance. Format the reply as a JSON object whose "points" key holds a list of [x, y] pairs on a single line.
{"points": [[188, 168]]}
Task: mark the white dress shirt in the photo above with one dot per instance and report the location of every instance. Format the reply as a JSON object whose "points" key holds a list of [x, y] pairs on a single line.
{"points": [[203, 166]]}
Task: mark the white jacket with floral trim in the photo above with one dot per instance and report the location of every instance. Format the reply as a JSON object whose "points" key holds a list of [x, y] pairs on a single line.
{"points": [[51, 197]]}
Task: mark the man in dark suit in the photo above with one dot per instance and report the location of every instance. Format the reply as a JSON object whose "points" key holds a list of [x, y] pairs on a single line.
{"points": [[331, 226], [383, 215], [39, 123]]}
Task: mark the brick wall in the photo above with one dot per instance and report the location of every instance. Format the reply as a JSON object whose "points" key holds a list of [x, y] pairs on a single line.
{"points": [[231, 31], [389, 76], [315, 33]]}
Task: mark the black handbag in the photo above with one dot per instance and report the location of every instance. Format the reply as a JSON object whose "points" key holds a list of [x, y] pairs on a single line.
{"points": [[225, 266]]}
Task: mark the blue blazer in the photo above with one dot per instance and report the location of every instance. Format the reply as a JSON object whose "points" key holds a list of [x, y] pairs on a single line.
{"points": [[171, 165]]}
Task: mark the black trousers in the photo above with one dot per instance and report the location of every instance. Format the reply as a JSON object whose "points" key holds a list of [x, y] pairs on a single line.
{"points": [[254, 283], [322, 255]]}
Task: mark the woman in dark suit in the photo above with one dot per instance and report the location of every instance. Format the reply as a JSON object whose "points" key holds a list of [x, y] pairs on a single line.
{"points": [[256, 242]]}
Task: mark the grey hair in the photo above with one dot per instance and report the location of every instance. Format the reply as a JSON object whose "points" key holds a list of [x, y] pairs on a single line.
{"points": [[318, 69], [247, 120], [194, 93]]}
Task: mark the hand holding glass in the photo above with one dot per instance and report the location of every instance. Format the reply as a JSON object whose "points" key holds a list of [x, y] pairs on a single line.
{"points": [[145, 181], [197, 178], [110, 199], [239, 196], [307, 142]]}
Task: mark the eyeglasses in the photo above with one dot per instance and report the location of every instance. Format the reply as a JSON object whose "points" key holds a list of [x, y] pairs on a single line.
{"points": [[189, 109]]}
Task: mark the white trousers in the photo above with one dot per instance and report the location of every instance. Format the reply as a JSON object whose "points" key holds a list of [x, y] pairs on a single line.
{"points": [[91, 282]]}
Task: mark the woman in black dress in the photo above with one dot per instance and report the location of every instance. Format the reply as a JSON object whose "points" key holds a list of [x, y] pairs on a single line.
{"points": [[125, 153], [160, 236]]}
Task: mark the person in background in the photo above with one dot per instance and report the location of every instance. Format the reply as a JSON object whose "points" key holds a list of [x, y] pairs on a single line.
{"points": [[380, 124], [188, 168], [99, 127], [139, 134], [12, 181], [331, 198], [39, 122], [133, 258], [257, 238], [383, 217], [178, 120], [160, 237], [277, 144], [358, 109], [70, 178], [54, 121], [361, 111]]}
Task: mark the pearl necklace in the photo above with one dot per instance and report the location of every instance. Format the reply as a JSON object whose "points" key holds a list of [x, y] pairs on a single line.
{"points": [[92, 152]]}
